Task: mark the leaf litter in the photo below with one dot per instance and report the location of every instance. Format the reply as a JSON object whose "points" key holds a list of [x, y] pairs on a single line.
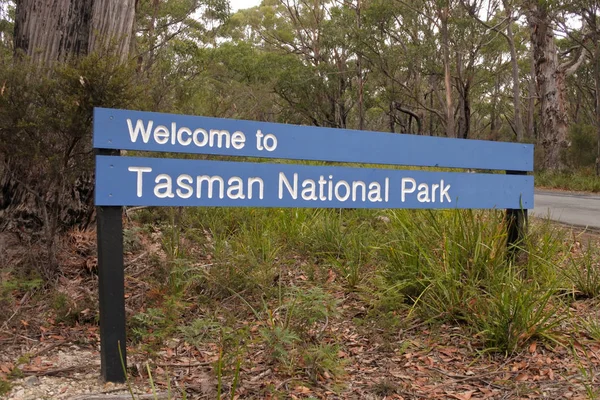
{"points": [[43, 357]]}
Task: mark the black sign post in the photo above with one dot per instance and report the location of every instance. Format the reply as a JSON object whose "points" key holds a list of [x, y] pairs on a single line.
{"points": [[111, 285], [516, 224]]}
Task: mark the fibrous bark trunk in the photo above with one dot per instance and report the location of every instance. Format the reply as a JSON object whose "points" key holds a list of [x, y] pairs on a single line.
{"points": [[444, 15], [464, 122], [518, 121], [592, 21], [58, 30], [48, 186], [551, 88], [531, 103]]}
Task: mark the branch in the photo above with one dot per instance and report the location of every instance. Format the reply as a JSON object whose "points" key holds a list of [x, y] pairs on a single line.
{"points": [[494, 28], [412, 114], [570, 67]]}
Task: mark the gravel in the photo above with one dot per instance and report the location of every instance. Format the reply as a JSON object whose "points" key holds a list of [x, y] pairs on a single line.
{"points": [[81, 377]]}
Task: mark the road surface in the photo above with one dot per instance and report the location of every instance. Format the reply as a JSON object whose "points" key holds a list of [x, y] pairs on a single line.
{"points": [[569, 208]]}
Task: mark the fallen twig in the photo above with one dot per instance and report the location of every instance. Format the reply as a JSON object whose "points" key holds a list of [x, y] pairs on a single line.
{"points": [[155, 396], [176, 365], [47, 348], [261, 375], [59, 371]]}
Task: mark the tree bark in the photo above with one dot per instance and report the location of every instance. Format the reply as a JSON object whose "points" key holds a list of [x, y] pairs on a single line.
{"points": [[58, 30], [464, 124], [411, 115], [592, 21], [444, 15], [112, 25], [551, 88], [48, 186], [531, 103], [359, 74], [597, 83], [518, 121]]}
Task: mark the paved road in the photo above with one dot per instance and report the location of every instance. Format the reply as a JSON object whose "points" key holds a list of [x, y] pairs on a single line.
{"points": [[569, 208]]}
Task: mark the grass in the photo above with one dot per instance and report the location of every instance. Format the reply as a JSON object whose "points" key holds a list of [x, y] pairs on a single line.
{"points": [[5, 387], [580, 181], [582, 272]]}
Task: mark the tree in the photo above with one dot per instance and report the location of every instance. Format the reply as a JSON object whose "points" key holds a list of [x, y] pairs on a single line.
{"points": [[69, 56], [48, 31], [550, 77], [514, 61]]}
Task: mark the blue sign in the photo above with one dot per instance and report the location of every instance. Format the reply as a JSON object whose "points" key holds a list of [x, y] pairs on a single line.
{"points": [[136, 181], [149, 131]]}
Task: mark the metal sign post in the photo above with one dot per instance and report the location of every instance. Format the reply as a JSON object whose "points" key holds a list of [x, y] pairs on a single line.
{"points": [[111, 286]]}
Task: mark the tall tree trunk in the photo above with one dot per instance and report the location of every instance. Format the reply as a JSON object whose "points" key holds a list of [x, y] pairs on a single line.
{"points": [[464, 105], [494, 114], [550, 81], [594, 28], [464, 125], [597, 82], [57, 30], [444, 15], [532, 96], [52, 30], [53, 188], [359, 73], [518, 121]]}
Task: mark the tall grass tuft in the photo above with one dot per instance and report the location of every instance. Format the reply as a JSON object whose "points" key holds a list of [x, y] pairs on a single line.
{"points": [[442, 259], [454, 266], [582, 272], [514, 312]]}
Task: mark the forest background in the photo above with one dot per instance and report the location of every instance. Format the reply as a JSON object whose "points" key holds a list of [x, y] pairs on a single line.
{"points": [[506, 70], [498, 70]]}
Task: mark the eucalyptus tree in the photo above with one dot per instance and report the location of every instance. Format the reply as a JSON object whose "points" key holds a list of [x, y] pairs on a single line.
{"points": [[550, 77], [588, 80], [505, 27], [399, 48], [437, 16], [48, 31], [7, 10], [69, 56], [319, 84], [174, 43]]}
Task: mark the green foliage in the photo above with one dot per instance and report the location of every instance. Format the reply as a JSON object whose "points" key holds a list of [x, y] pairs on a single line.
{"points": [[584, 146], [295, 324], [583, 180], [5, 387], [591, 325], [322, 358], [131, 239], [18, 284], [308, 309], [156, 324], [339, 239], [514, 312], [454, 266], [279, 341], [67, 310], [439, 260], [201, 330]]}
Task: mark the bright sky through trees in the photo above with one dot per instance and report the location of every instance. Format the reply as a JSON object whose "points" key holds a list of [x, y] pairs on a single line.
{"points": [[241, 4]]}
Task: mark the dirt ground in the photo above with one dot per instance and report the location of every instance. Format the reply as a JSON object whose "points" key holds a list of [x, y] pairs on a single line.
{"points": [[42, 357]]}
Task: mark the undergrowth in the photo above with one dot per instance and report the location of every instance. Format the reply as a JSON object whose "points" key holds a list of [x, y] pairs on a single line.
{"points": [[584, 180], [282, 272]]}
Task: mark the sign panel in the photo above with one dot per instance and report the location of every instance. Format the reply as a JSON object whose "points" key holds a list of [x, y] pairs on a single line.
{"points": [[149, 131], [136, 181]]}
